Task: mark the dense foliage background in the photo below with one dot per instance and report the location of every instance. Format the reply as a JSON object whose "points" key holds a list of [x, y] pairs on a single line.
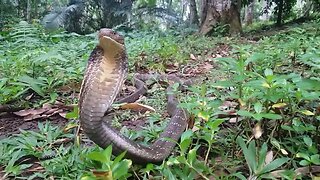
{"points": [[255, 105]]}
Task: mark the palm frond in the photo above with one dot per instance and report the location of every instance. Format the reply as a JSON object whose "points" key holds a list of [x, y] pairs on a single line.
{"points": [[57, 18]]}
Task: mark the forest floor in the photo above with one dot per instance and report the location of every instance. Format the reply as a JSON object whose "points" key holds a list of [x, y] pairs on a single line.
{"points": [[28, 119]]}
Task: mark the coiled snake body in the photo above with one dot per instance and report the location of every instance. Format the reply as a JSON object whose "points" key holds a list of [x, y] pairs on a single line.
{"points": [[105, 74]]}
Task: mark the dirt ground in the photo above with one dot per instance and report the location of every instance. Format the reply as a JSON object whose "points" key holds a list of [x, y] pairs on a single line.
{"points": [[11, 123]]}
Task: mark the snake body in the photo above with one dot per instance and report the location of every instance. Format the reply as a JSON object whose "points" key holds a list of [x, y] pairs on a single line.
{"points": [[105, 74]]}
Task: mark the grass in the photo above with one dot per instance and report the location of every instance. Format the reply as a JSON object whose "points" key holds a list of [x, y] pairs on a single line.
{"points": [[263, 110]]}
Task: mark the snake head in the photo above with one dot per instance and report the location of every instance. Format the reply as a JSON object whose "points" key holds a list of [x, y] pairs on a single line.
{"points": [[105, 32], [111, 42]]}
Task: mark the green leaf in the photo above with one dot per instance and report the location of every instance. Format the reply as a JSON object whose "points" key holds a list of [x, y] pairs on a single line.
{"points": [[74, 114], [121, 169], [33, 84], [223, 84], [307, 140], [303, 155], [257, 116], [256, 56], [181, 159], [274, 165], [315, 159], [304, 163], [119, 158], [97, 156], [3, 81], [245, 113], [103, 157], [254, 84], [271, 116], [309, 84], [107, 153], [258, 107], [252, 151], [262, 155], [249, 155], [172, 160], [192, 155], [184, 145], [204, 115], [186, 135], [215, 123], [275, 143], [239, 175], [149, 167], [167, 173], [288, 128], [268, 72]]}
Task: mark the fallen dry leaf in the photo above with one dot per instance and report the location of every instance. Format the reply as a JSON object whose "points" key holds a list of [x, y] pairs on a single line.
{"points": [[283, 151], [131, 88], [201, 68], [207, 67], [137, 107], [53, 111], [307, 112], [195, 128], [193, 57], [191, 122], [28, 112], [46, 111], [29, 97], [63, 114], [279, 105], [228, 108], [31, 117], [257, 131], [269, 157], [228, 105], [104, 175], [233, 120]]}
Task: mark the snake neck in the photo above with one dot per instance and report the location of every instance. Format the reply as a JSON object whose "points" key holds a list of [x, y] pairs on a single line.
{"points": [[102, 82]]}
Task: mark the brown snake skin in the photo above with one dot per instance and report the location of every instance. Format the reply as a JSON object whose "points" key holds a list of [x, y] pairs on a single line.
{"points": [[105, 74]]}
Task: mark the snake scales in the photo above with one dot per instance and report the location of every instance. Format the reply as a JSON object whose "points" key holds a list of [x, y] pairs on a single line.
{"points": [[105, 74]]}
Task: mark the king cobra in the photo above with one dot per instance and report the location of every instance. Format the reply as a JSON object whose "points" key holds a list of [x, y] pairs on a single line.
{"points": [[104, 76]]}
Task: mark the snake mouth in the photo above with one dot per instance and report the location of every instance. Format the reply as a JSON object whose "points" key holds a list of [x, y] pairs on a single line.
{"points": [[111, 48]]}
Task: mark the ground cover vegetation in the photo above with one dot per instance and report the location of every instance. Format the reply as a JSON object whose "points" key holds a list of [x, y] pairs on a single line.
{"points": [[254, 105]]}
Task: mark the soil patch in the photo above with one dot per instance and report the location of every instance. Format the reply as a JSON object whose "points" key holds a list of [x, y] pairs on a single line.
{"points": [[11, 124]]}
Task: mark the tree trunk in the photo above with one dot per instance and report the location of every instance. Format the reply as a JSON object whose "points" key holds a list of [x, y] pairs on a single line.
{"points": [[265, 11], [203, 12], [170, 4], [193, 16], [220, 12], [28, 10], [280, 10], [183, 4], [248, 18], [307, 8]]}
